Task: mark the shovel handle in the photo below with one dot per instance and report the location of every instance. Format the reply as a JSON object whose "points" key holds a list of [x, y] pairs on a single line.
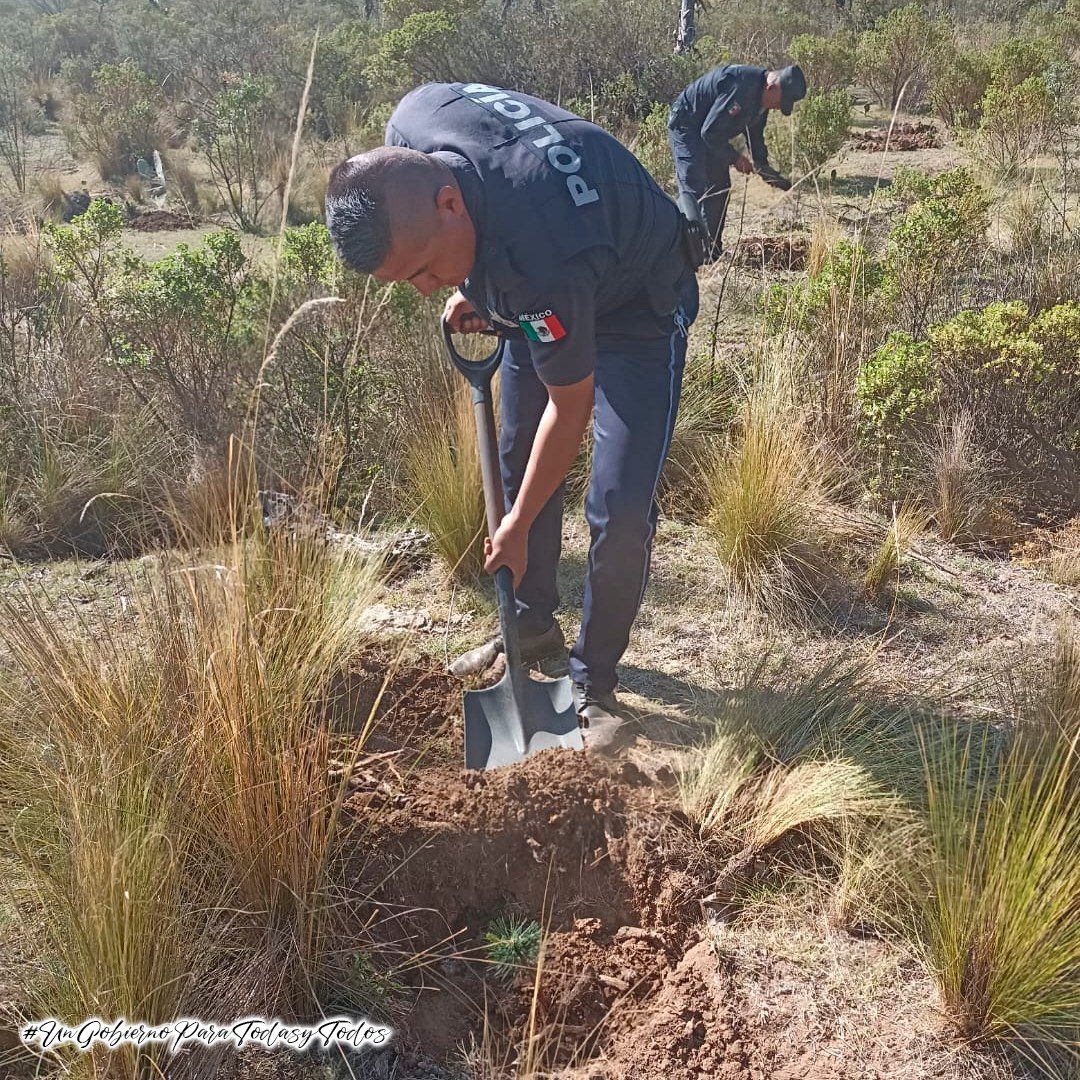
{"points": [[480, 373]]}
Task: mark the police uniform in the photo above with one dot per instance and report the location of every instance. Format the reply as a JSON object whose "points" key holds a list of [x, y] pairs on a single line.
{"points": [[705, 117], [581, 261]]}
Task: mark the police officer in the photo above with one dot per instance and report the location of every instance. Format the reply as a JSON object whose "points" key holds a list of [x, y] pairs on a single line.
{"points": [[731, 100], [551, 232]]}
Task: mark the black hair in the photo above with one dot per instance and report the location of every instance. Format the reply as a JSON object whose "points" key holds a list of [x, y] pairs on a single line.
{"points": [[357, 216]]}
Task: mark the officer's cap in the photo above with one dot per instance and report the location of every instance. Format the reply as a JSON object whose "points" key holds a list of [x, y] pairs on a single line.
{"points": [[792, 87]]}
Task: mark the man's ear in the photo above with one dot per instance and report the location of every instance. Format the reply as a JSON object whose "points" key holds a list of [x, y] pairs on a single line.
{"points": [[448, 200]]}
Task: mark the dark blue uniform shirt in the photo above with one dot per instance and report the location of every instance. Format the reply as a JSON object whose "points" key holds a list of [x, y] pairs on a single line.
{"points": [[575, 241], [723, 103]]}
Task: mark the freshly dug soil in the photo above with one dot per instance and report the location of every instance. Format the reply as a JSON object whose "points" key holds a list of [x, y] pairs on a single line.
{"points": [[632, 983], [163, 221], [918, 135], [773, 252]]}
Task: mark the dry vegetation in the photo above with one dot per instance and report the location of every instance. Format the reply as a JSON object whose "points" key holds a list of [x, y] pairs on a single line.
{"points": [[229, 778]]}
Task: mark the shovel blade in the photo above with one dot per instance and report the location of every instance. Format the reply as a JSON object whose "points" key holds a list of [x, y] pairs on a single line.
{"points": [[500, 730]]}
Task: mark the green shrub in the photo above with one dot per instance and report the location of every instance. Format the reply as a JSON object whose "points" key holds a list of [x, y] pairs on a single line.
{"points": [[1016, 374], [118, 121], [652, 147], [828, 63], [415, 51], [1016, 59], [241, 139], [897, 387], [848, 275], [802, 143], [899, 53], [1015, 123], [935, 247], [958, 87]]}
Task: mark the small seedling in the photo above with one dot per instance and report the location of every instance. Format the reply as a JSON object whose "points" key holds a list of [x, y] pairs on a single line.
{"points": [[512, 944]]}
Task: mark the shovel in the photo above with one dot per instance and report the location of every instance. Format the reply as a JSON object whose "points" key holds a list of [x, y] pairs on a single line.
{"points": [[518, 716]]}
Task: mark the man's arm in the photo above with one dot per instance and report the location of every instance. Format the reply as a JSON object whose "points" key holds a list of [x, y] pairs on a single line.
{"points": [[560, 324], [755, 137]]}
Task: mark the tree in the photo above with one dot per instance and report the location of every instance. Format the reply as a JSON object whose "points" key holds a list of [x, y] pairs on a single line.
{"points": [[237, 135], [828, 62], [18, 117], [684, 36], [898, 54]]}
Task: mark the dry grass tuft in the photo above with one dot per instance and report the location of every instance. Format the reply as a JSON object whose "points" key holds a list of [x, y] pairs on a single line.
{"points": [[881, 577], [442, 482], [965, 502], [177, 817], [767, 499]]}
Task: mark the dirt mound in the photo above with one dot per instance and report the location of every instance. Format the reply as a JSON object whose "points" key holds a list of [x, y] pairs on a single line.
{"points": [[546, 838], [773, 252], [163, 221], [919, 135], [400, 706], [640, 1001], [632, 981]]}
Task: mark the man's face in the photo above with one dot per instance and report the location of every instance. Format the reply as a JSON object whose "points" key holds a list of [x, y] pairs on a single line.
{"points": [[433, 249]]}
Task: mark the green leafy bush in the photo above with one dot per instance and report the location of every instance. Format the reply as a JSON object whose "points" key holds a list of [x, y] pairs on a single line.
{"points": [[240, 138], [118, 120], [652, 147], [899, 53], [415, 51], [802, 143], [934, 249], [829, 63], [1016, 374], [958, 86], [1015, 123], [848, 275]]}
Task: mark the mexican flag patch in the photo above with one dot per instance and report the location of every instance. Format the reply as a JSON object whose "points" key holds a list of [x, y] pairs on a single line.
{"points": [[542, 326]]}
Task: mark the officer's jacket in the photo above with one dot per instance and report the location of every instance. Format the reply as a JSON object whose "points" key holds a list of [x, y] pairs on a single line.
{"points": [[575, 241], [723, 103]]}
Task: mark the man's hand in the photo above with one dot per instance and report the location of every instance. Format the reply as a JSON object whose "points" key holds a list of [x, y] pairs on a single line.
{"points": [[462, 317], [508, 547], [744, 165]]}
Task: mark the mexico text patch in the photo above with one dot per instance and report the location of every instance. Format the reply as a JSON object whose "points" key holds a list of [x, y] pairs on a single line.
{"points": [[542, 326]]}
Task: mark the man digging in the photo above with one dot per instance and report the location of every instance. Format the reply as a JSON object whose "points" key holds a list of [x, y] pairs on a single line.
{"points": [[552, 233], [728, 101]]}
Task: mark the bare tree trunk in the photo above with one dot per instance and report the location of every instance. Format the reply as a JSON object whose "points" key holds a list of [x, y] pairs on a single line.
{"points": [[684, 36]]}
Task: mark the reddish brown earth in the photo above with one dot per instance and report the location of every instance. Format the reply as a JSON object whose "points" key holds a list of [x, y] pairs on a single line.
{"points": [[631, 983], [917, 135], [163, 221], [773, 252]]}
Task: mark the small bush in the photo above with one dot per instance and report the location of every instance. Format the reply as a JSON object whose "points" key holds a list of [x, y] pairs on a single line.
{"points": [[119, 120], [880, 579], [898, 55], [816, 131], [1015, 124], [1017, 374], [829, 63], [240, 137], [935, 248], [652, 147], [958, 87]]}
